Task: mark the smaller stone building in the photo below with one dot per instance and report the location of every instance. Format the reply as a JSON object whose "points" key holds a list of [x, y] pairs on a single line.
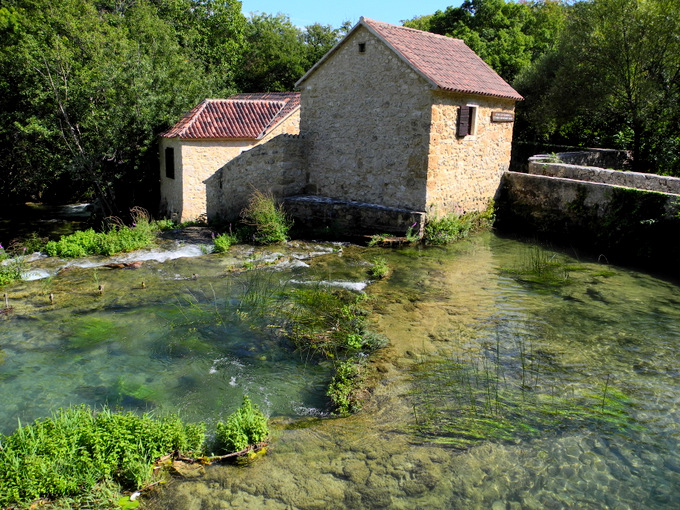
{"points": [[210, 135]]}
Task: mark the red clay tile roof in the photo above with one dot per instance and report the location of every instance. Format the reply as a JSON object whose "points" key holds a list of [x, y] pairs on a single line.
{"points": [[447, 63], [249, 116]]}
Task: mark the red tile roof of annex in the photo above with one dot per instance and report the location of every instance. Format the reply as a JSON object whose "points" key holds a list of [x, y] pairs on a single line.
{"points": [[242, 116], [447, 63]]}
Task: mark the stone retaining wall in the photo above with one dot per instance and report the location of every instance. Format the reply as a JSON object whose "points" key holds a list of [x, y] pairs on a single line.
{"points": [[624, 225], [277, 166], [335, 216], [541, 165]]}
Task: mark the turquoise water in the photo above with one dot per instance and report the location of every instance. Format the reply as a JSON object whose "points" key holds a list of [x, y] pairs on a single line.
{"points": [[568, 382], [193, 347]]}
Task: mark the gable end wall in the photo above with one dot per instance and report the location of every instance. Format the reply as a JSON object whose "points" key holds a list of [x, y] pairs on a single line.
{"points": [[366, 119], [184, 198]]}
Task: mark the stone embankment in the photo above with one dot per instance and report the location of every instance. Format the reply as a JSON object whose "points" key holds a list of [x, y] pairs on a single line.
{"points": [[626, 217]]}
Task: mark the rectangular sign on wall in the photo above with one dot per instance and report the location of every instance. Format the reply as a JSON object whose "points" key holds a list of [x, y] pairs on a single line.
{"points": [[502, 117]]}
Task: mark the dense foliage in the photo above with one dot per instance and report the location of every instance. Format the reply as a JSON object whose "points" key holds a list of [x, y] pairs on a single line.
{"points": [[246, 426], [265, 221], [77, 449], [118, 238], [89, 456], [87, 86]]}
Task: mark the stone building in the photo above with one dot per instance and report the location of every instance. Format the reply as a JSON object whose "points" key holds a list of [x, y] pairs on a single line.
{"points": [[213, 133], [395, 124], [406, 119]]}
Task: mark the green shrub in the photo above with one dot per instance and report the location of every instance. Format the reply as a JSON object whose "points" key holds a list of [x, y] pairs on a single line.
{"points": [[452, 227], [346, 385], [11, 268], [165, 224], [266, 221], [378, 239], [77, 449], [380, 269], [223, 242], [246, 426]]}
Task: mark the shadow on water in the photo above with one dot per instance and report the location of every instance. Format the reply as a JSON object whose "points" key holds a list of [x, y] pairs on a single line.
{"points": [[21, 220]]}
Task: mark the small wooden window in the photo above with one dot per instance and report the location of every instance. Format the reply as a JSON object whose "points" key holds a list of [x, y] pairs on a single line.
{"points": [[467, 117], [362, 47], [170, 162]]}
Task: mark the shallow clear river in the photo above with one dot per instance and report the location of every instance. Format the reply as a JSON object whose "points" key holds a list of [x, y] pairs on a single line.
{"points": [[516, 377]]}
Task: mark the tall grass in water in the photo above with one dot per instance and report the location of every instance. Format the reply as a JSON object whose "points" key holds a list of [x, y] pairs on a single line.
{"points": [[265, 221], [507, 394], [540, 266]]}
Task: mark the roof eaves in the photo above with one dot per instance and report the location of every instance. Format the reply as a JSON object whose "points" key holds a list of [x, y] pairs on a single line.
{"points": [[517, 97], [276, 121]]}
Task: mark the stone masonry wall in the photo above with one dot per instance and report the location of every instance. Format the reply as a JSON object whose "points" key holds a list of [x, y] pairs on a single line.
{"points": [[615, 224], [171, 189], [184, 198], [540, 165], [277, 166], [464, 173], [366, 118]]}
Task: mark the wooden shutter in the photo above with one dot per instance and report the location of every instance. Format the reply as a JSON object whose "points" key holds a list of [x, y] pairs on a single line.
{"points": [[464, 121]]}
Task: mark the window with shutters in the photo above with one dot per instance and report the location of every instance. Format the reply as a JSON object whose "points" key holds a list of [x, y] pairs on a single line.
{"points": [[170, 162], [467, 120]]}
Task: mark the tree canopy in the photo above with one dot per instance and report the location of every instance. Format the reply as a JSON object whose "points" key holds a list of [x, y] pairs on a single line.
{"points": [[87, 85]]}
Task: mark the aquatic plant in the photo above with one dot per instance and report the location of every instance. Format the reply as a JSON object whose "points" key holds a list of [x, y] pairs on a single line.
{"points": [[79, 450], [33, 243], [379, 269], [223, 242], [327, 322], [347, 385], [11, 268], [378, 239], [245, 427], [412, 234], [539, 266], [453, 227], [116, 238], [265, 221], [507, 396]]}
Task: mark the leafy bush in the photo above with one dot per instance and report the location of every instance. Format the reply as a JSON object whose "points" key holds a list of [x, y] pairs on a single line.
{"points": [[223, 242], [78, 448], [378, 239], [452, 227], [11, 268], [266, 221], [380, 268], [345, 386], [246, 426]]}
